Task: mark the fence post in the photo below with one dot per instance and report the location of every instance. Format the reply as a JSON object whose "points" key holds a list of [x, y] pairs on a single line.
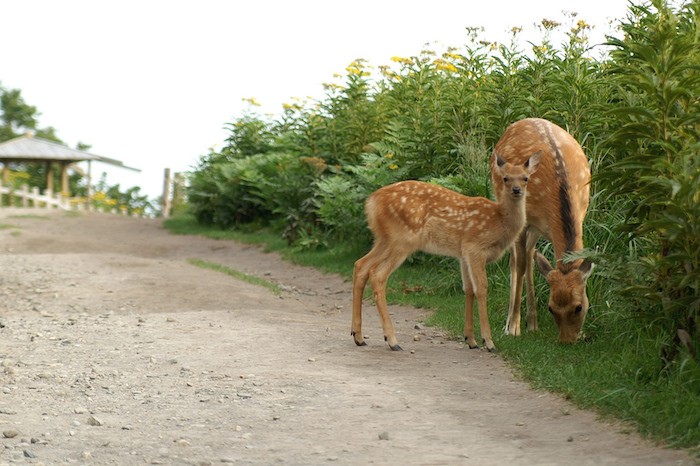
{"points": [[25, 196], [65, 200], [48, 195], [36, 197], [166, 194]]}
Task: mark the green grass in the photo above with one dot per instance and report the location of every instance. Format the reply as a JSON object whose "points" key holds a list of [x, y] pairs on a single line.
{"points": [[30, 216], [615, 371], [236, 274], [186, 225]]}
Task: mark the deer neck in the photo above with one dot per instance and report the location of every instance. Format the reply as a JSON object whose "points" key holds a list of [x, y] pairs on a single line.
{"points": [[513, 214]]}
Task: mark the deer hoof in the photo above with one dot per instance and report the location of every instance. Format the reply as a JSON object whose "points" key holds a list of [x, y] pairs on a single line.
{"points": [[358, 342], [395, 348]]}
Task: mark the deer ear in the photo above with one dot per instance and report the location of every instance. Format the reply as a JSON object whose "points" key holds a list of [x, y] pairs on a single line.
{"points": [[499, 161], [586, 268], [543, 264], [533, 162]]}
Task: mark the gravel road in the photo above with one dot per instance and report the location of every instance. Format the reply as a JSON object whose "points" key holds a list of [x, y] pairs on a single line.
{"points": [[116, 350]]}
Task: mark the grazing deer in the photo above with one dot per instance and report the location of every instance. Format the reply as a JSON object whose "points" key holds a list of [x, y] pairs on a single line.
{"points": [[411, 215], [556, 206]]}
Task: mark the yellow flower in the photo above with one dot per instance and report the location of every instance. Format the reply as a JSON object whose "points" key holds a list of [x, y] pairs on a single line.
{"points": [[403, 61], [251, 101], [358, 67], [332, 86], [444, 66], [549, 24], [453, 56], [389, 155], [393, 166], [583, 25], [387, 73]]}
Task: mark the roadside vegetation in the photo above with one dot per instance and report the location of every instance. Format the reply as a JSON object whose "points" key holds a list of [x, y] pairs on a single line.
{"points": [[633, 104]]}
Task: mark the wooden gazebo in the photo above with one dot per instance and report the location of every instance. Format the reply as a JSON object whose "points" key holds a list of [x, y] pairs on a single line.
{"points": [[31, 149]]}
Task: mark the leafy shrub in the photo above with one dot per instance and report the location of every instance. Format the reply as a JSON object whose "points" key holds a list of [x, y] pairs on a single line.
{"points": [[657, 167], [341, 197]]}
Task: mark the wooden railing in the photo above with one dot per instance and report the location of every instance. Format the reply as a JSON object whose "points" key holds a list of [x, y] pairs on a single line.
{"points": [[26, 197]]}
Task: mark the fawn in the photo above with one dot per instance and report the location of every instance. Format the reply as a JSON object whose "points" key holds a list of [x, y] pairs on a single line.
{"points": [[556, 206], [408, 216]]}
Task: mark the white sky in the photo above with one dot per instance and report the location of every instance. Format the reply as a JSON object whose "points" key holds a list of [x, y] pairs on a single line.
{"points": [[152, 82]]}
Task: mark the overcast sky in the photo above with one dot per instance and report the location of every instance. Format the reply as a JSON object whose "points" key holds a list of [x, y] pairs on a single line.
{"points": [[152, 82]]}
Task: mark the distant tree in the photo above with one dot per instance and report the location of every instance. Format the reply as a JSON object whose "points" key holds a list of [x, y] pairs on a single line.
{"points": [[16, 116]]}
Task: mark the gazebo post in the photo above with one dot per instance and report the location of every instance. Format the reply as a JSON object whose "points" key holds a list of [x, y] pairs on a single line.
{"points": [[89, 181], [5, 173], [49, 177], [64, 180]]}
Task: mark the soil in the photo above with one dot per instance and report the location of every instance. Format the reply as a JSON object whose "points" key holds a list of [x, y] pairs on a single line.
{"points": [[114, 349]]}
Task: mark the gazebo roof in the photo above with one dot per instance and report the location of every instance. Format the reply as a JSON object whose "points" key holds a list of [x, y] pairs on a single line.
{"points": [[29, 148]]}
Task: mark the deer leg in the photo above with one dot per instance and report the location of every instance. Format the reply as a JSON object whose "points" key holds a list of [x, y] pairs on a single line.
{"points": [[360, 276], [379, 276], [512, 319], [477, 271], [517, 271], [469, 306], [531, 316]]}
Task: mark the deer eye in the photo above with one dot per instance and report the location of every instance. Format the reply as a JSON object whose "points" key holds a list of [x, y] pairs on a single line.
{"points": [[525, 179], [579, 308], [550, 310], [506, 179]]}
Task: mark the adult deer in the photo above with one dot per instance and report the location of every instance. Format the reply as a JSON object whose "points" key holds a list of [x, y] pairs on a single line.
{"points": [[410, 215], [556, 206]]}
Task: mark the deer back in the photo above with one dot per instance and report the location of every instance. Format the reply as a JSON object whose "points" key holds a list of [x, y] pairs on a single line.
{"points": [[415, 215], [558, 193]]}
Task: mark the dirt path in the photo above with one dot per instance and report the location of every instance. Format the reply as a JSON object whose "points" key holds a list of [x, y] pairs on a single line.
{"points": [[115, 350]]}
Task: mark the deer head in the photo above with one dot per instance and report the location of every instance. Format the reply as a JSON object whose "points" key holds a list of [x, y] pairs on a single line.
{"points": [[568, 302], [515, 181]]}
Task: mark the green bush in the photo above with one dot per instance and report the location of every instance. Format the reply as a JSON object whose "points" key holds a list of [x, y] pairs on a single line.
{"points": [[656, 168], [341, 197]]}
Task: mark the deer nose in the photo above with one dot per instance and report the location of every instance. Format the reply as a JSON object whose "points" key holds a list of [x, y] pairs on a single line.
{"points": [[517, 191]]}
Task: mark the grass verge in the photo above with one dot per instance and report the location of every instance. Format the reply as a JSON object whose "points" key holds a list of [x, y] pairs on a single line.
{"points": [[236, 274], [614, 371]]}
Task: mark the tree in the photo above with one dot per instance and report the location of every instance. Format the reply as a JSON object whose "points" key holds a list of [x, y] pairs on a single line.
{"points": [[16, 115]]}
